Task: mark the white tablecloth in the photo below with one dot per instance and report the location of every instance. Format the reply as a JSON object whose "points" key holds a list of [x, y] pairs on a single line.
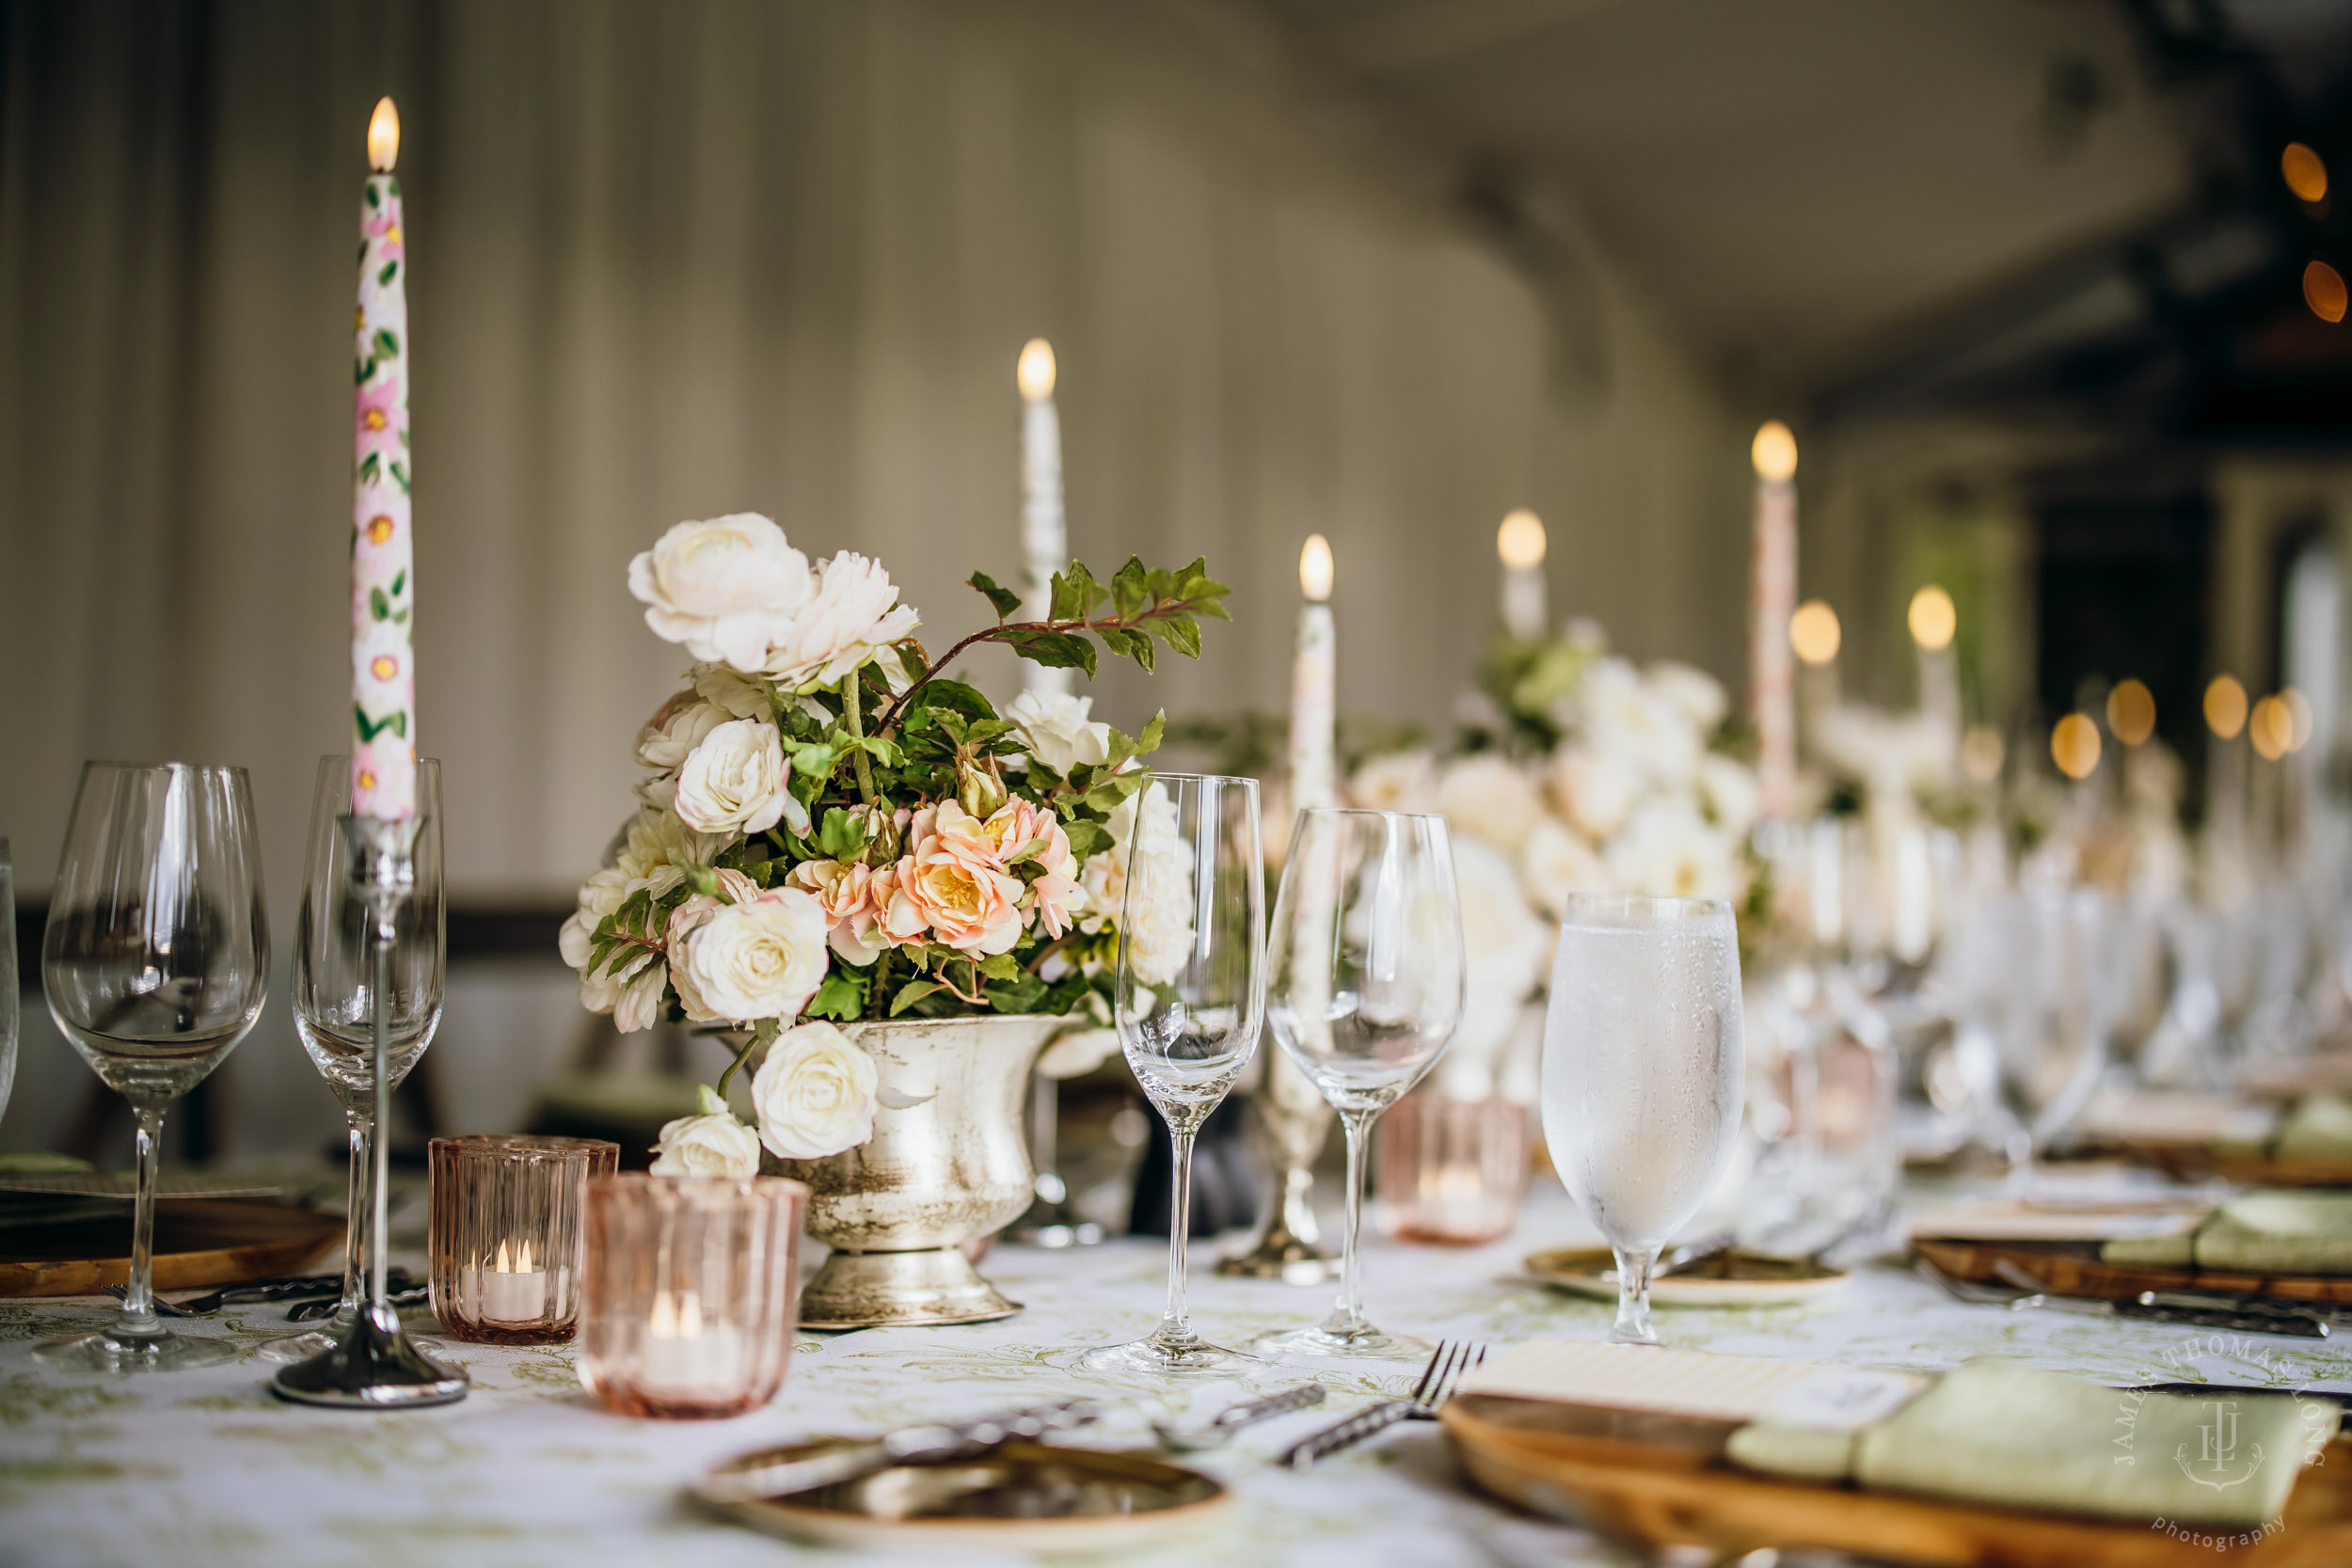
{"points": [[207, 1468]]}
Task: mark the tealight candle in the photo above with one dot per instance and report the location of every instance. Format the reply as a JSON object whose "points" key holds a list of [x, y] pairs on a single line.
{"points": [[510, 1290], [682, 1354], [504, 1238]]}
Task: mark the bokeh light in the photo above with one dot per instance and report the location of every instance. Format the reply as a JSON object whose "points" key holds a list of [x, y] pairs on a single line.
{"points": [[1933, 618], [2306, 174], [1981, 753], [1520, 540], [1774, 453], [2132, 712], [2271, 729], [2225, 706], [1814, 632], [2323, 291], [2075, 746]]}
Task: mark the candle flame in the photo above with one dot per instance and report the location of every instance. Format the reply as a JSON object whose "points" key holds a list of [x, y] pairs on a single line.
{"points": [[2075, 746], [1036, 372], [1933, 618], [2225, 706], [1520, 541], [1774, 453], [1314, 568], [501, 1263], [1814, 633], [383, 136]]}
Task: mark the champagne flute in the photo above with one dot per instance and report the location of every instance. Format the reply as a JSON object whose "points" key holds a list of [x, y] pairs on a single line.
{"points": [[156, 965], [1364, 990], [1189, 1001], [1643, 1073], [333, 1007]]}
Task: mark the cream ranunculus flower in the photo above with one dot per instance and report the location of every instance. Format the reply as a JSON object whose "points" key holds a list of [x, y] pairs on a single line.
{"points": [[676, 729], [1401, 780], [1594, 790], [1668, 851], [695, 912], [1555, 864], [727, 588], [1490, 797], [1504, 947], [761, 959], [656, 845], [1689, 691], [734, 782], [1624, 719], [711, 1143], [854, 615], [815, 1095], [740, 696], [1055, 727]]}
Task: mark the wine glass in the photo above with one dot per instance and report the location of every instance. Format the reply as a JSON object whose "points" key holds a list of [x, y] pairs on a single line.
{"points": [[333, 971], [1364, 989], [1189, 1001], [156, 965], [2049, 1016], [8, 988], [1644, 1070]]}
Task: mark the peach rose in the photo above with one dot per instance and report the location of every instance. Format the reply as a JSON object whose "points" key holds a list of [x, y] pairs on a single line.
{"points": [[853, 913], [955, 879]]}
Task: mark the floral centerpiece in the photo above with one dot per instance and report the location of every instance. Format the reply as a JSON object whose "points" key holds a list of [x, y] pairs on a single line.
{"points": [[833, 833]]}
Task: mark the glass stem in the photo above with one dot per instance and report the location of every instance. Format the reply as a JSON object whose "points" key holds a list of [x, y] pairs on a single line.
{"points": [[1634, 1267], [1347, 1316], [1174, 1332], [378, 1178], [139, 1319], [361, 1127]]}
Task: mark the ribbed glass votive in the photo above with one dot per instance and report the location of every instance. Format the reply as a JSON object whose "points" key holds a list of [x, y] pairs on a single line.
{"points": [[689, 1306], [1451, 1171], [504, 1239]]}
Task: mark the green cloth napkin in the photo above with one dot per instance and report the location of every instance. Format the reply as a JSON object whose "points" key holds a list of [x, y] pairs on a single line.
{"points": [[2269, 1230], [2319, 1127], [2006, 1435]]}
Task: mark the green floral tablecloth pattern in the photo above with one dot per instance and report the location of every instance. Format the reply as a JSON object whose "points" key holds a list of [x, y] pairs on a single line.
{"points": [[206, 1467]]}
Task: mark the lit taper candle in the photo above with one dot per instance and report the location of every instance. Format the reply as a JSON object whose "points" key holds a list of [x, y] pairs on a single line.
{"points": [[1314, 701], [383, 560], [1044, 542], [1772, 585], [1520, 543]]}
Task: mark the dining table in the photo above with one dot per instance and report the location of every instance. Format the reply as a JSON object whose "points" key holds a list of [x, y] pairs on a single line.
{"points": [[207, 1466]]}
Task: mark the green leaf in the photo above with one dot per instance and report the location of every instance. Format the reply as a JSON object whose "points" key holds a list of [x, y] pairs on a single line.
{"points": [[401, 474], [400, 581], [881, 750], [911, 660], [378, 605], [387, 345], [1135, 645], [955, 695], [912, 992], [361, 370], [1149, 740], [373, 198], [1021, 994], [1000, 966], [841, 835], [841, 995], [1131, 589], [370, 466], [1073, 593], [1056, 650], [385, 275], [812, 757], [1181, 632], [1004, 598], [1085, 838], [1112, 792], [396, 722]]}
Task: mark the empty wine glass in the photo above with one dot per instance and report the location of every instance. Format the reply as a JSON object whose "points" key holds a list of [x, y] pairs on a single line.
{"points": [[1364, 988], [156, 965], [1644, 1070], [2048, 1016], [1189, 1001], [333, 972]]}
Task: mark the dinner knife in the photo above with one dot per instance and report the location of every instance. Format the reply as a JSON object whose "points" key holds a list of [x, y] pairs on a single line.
{"points": [[2198, 1309], [930, 1443]]}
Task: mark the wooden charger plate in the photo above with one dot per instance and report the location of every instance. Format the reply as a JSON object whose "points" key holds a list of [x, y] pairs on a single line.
{"points": [[198, 1242], [1661, 1481], [2074, 1268], [2198, 1162]]}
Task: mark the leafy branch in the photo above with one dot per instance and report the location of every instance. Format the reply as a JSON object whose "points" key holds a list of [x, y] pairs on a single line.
{"points": [[1124, 615]]}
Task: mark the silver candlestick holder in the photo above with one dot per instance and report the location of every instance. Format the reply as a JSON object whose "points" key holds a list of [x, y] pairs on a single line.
{"points": [[374, 1366], [1289, 1118]]}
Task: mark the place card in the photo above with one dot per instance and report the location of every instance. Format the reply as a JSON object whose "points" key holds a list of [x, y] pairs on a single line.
{"points": [[1695, 1384]]}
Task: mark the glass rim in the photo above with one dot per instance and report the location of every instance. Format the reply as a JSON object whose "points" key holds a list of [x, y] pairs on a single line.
{"points": [[325, 757], [1153, 775], [1635, 904], [744, 1186], [1372, 810], [521, 1143], [228, 769]]}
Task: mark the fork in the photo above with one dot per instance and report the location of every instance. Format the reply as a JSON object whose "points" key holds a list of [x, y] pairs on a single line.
{"points": [[1449, 1363], [285, 1288]]}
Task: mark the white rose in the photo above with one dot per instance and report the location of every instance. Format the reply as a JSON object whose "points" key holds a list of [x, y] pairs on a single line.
{"points": [[1490, 797], [734, 782], [1401, 780], [1594, 791], [1054, 727], [676, 729], [656, 845], [1692, 692], [854, 615], [726, 587], [1668, 851], [1555, 864], [690, 916], [814, 1094], [711, 1143], [1503, 953], [599, 895], [740, 696], [1729, 788], [764, 959], [1622, 719]]}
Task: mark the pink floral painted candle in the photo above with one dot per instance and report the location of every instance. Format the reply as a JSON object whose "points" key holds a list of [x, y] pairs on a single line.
{"points": [[383, 560]]}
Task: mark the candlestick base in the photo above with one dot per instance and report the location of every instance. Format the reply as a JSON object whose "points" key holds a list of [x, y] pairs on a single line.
{"points": [[374, 1367]]}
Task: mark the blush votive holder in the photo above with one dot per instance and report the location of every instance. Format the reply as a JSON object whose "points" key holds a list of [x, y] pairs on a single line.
{"points": [[505, 1235], [1451, 1171], [688, 1309]]}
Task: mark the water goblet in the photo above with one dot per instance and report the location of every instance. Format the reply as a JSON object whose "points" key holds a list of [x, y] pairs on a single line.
{"points": [[156, 963], [1364, 989], [1189, 1001], [333, 1005], [1643, 1071]]}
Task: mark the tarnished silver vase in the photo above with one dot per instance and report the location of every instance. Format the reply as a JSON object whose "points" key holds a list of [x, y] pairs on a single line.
{"points": [[947, 1164]]}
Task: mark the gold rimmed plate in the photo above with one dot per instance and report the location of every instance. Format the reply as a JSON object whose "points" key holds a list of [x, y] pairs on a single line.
{"points": [[1022, 1497], [1733, 1278]]}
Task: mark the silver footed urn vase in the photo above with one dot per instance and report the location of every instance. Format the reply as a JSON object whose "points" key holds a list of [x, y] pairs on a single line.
{"points": [[948, 1163]]}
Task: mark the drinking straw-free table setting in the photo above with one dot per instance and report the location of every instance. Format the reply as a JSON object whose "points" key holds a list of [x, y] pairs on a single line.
{"points": [[208, 1468]]}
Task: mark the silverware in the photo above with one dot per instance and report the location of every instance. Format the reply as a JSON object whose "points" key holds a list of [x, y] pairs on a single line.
{"points": [[315, 1307], [911, 1445], [1449, 1363], [2300, 1326], [1230, 1420], [284, 1287]]}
